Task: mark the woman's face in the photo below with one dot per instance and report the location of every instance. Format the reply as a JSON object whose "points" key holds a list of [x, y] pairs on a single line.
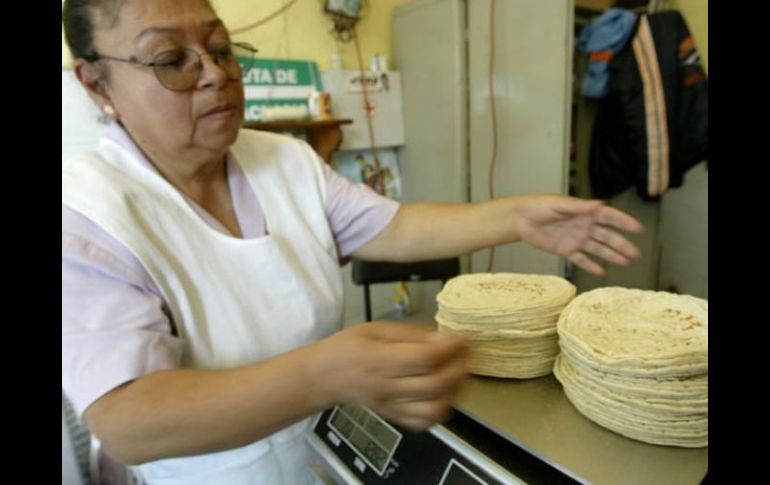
{"points": [[169, 123]]}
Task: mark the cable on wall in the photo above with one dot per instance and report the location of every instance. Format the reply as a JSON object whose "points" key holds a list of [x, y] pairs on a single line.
{"points": [[368, 109], [493, 113]]}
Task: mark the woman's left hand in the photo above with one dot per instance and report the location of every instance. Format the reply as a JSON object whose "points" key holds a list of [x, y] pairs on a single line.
{"points": [[575, 228]]}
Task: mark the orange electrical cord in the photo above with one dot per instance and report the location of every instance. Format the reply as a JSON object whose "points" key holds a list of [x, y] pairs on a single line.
{"points": [[493, 111], [368, 108]]}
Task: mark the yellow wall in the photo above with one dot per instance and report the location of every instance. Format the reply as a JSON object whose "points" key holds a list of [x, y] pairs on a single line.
{"points": [[696, 13], [302, 32]]}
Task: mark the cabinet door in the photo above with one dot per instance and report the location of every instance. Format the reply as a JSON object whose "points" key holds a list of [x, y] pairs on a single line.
{"points": [[532, 86], [429, 51]]}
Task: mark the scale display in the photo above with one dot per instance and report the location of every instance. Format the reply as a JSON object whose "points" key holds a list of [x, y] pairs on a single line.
{"points": [[367, 434], [363, 448]]}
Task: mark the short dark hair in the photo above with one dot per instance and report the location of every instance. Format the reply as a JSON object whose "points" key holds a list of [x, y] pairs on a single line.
{"points": [[78, 19]]}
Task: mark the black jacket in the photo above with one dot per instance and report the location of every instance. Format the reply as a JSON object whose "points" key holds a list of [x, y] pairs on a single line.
{"points": [[653, 125]]}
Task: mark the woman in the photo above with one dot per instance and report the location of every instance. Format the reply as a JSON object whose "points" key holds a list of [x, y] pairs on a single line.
{"points": [[201, 291]]}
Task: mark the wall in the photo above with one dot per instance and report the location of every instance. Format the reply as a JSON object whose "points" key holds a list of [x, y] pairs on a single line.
{"points": [[302, 32], [684, 236]]}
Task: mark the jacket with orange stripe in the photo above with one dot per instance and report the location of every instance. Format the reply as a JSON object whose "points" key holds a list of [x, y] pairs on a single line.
{"points": [[653, 125]]}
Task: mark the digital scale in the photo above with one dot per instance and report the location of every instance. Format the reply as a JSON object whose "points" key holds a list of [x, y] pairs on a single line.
{"points": [[504, 431], [358, 446]]}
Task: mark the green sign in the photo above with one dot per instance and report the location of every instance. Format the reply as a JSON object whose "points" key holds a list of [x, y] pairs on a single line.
{"points": [[280, 85]]}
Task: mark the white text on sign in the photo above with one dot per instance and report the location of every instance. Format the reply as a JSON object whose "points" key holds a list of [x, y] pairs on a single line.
{"points": [[266, 76]]}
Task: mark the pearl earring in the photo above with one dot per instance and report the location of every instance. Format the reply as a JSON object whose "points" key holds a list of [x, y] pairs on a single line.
{"points": [[109, 110]]}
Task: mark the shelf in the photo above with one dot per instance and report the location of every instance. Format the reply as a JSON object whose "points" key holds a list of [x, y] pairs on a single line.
{"points": [[325, 136], [295, 124]]}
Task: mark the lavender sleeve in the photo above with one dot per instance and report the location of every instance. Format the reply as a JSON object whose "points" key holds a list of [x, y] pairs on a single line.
{"points": [[356, 213], [114, 325]]}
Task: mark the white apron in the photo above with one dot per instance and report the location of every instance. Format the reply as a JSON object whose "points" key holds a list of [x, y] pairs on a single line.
{"points": [[233, 301]]}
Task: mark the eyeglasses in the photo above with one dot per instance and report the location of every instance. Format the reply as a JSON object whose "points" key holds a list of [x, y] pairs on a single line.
{"points": [[180, 69]]}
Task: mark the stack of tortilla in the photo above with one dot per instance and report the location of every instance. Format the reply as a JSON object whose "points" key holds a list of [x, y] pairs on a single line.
{"points": [[509, 318], [636, 362]]}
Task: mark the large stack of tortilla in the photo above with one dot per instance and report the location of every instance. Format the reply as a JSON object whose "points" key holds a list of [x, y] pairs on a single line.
{"points": [[636, 362], [510, 320]]}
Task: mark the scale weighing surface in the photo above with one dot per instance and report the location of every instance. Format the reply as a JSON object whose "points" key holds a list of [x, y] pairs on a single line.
{"points": [[504, 431]]}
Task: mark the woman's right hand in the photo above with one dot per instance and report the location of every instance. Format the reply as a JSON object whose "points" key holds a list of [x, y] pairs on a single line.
{"points": [[406, 373]]}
